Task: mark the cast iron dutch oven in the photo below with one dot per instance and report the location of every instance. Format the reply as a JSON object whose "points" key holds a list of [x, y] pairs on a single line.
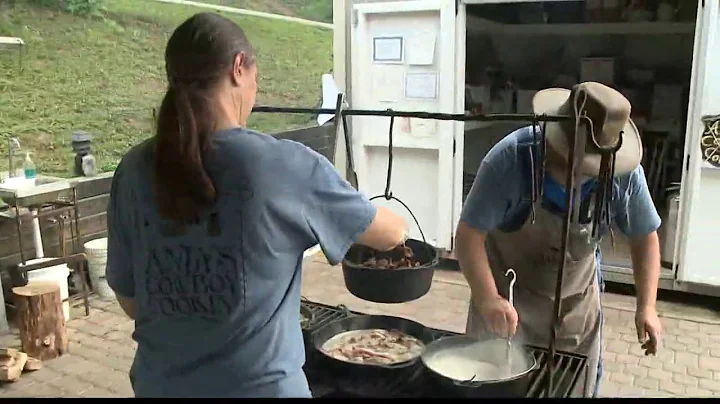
{"points": [[389, 285]]}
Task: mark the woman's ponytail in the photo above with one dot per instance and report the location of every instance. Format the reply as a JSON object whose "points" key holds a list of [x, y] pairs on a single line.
{"points": [[184, 187]]}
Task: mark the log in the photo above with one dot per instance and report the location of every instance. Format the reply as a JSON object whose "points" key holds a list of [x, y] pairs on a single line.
{"points": [[32, 365], [41, 321], [12, 363]]}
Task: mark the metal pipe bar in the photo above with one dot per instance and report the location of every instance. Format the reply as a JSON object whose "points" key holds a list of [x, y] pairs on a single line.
{"points": [[415, 114]]}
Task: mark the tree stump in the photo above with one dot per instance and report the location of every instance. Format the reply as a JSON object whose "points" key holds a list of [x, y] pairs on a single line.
{"points": [[41, 321]]}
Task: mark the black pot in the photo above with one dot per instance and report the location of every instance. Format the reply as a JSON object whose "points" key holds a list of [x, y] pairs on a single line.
{"points": [[390, 285], [515, 384], [369, 322], [310, 316]]}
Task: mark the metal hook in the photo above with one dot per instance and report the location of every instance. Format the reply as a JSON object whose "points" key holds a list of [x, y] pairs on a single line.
{"points": [[512, 285], [511, 299]]}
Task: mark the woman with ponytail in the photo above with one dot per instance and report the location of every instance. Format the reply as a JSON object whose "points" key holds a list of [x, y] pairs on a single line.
{"points": [[207, 225]]}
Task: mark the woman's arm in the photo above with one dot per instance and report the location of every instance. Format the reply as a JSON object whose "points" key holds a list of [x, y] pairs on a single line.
{"points": [[385, 232], [338, 215]]}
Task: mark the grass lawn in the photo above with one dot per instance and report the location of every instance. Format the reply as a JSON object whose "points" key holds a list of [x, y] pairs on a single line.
{"points": [[105, 75], [316, 10]]}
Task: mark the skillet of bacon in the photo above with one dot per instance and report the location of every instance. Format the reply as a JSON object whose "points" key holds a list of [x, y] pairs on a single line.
{"points": [[382, 347]]}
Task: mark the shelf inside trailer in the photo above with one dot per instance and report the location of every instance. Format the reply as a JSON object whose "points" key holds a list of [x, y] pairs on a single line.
{"points": [[479, 24]]}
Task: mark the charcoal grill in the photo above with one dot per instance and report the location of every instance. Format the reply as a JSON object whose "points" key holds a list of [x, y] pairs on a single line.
{"points": [[569, 372]]}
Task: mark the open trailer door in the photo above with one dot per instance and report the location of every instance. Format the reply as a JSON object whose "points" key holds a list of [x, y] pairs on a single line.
{"points": [[403, 58], [697, 239]]}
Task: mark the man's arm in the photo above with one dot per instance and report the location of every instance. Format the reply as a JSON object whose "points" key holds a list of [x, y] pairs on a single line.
{"points": [[637, 217], [472, 256], [645, 254], [483, 211], [486, 207]]}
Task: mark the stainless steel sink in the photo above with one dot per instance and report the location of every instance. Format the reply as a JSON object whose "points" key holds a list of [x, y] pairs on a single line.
{"points": [[18, 191]]}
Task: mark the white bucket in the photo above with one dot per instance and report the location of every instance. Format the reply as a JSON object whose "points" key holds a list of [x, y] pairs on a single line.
{"points": [[96, 252], [58, 274]]}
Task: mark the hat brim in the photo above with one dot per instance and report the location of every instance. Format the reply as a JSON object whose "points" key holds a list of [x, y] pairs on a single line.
{"points": [[627, 158]]}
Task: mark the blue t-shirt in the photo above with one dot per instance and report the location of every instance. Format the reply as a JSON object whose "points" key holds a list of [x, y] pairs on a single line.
{"points": [[217, 301], [499, 197]]}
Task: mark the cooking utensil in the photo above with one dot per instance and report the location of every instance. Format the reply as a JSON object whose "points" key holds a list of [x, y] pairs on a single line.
{"points": [[370, 322], [449, 355], [389, 285], [511, 300]]}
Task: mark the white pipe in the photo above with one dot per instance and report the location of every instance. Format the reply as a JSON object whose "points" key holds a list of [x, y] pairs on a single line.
{"points": [[250, 13], [37, 236]]}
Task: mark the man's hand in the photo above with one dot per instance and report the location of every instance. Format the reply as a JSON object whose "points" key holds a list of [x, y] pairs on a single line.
{"points": [[499, 315], [648, 329]]}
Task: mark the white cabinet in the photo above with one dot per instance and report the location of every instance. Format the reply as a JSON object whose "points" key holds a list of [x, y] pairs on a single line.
{"points": [[403, 58]]}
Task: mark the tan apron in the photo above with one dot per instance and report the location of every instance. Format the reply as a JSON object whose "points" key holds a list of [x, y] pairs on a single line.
{"points": [[534, 252]]}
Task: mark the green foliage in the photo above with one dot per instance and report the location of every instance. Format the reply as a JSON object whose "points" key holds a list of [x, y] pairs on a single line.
{"points": [[80, 7]]}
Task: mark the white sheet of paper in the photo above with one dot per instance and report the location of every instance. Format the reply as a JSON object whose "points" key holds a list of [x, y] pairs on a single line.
{"points": [[387, 83], [388, 49], [329, 100], [421, 86], [421, 49]]}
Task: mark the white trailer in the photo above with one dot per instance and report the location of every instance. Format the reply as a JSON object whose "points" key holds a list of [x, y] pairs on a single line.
{"points": [[427, 55]]}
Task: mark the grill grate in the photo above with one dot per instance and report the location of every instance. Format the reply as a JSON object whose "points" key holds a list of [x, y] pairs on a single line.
{"points": [[414, 381], [323, 314]]}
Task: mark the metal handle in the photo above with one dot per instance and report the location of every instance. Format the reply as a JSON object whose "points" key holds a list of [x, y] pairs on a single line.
{"points": [[512, 285], [511, 299]]}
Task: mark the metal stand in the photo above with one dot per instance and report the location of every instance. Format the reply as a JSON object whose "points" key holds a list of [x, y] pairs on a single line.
{"points": [[539, 141], [60, 212]]}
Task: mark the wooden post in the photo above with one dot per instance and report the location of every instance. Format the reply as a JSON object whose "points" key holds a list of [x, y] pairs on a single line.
{"points": [[40, 320]]}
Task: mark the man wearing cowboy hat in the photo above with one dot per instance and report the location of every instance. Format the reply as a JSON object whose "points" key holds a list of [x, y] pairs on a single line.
{"points": [[501, 229]]}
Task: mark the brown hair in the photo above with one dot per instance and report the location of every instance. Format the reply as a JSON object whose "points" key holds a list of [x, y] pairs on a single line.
{"points": [[200, 52]]}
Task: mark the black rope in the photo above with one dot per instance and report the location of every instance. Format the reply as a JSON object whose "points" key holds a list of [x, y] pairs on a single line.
{"points": [[534, 170], [388, 194], [544, 159], [348, 150], [603, 194]]}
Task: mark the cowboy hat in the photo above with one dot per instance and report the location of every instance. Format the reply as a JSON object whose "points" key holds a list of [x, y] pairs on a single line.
{"points": [[609, 112]]}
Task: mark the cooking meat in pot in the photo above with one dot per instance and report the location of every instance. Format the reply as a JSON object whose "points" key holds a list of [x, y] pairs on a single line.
{"points": [[400, 258], [373, 347]]}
